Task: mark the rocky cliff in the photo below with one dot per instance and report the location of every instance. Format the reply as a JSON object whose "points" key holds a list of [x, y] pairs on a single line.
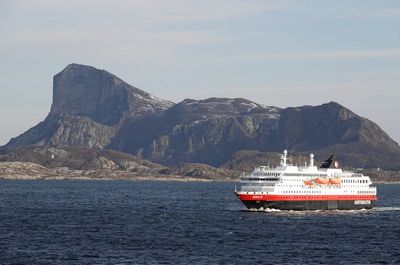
{"points": [[89, 105], [95, 109], [205, 131], [81, 90]]}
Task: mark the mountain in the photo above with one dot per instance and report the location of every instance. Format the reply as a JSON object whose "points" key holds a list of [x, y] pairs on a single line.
{"points": [[333, 129], [94, 109], [89, 105], [211, 131]]}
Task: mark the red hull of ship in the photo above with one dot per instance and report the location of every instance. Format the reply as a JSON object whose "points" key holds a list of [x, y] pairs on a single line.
{"points": [[308, 202]]}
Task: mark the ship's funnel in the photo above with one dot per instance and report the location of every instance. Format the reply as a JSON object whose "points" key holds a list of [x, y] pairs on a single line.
{"points": [[328, 162]]}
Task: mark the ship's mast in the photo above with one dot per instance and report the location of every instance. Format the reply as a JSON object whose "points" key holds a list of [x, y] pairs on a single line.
{"points": [[311, 160], [284, 158]]}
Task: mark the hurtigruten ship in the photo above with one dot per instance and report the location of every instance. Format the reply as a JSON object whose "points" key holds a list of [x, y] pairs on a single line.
{"points": [[289, 187]]}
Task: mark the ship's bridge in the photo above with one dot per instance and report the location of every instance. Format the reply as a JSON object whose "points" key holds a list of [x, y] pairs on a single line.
{"points": [[264, 175]]}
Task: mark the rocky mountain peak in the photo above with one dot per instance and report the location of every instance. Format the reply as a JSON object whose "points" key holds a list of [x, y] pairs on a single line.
{"points": [[230, 105], [81, 90], [343, 113], [214, 107]]}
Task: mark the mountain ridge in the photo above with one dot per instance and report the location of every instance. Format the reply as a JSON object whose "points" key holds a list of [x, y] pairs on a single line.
{"points": [[93, 108]]}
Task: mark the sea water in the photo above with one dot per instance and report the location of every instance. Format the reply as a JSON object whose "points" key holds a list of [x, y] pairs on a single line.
{"points": [[150, 222]]}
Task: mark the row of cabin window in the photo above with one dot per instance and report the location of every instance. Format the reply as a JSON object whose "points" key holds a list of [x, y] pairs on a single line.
{"points": [[306, 191], [303, 175], [343, 181], [261, 179], [355, 181], [365, 192], [263, 184], [319, 192], [289, 180], [267, 174]]}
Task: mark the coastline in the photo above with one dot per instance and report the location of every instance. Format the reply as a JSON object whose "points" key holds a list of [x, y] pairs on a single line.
{"points": [[385, 182], [171, 178], [32, 171], [136, 178]]}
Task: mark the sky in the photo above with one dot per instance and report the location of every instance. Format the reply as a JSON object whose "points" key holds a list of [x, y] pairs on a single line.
{"points": [[277, 53]]}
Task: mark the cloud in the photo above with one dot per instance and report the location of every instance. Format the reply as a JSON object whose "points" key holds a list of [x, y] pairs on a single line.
{"points": [[111, 36], [160, 47], [389, 12], [386, 12], [356, 54], [220, 10], [157, 10], [149, 29]]}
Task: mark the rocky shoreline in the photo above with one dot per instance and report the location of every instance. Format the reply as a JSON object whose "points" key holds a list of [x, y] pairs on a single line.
{"points": [[32, 171]]}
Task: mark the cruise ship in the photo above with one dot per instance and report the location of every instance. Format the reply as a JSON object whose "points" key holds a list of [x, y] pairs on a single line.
{"points": [[289, 187]]}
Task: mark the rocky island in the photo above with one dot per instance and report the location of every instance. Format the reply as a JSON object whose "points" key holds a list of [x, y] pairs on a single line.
{"points": [[101, 127]]}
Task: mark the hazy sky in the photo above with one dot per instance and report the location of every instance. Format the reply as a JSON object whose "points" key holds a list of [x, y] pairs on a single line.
{"points": [[280, 53]]}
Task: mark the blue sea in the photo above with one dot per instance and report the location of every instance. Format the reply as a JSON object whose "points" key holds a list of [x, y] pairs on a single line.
{"points": [[140, 222]]}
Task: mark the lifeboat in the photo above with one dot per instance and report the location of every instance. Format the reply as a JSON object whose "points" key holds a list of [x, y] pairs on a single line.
{"points": [[322, 180], [308, 182], [335, 181]]}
